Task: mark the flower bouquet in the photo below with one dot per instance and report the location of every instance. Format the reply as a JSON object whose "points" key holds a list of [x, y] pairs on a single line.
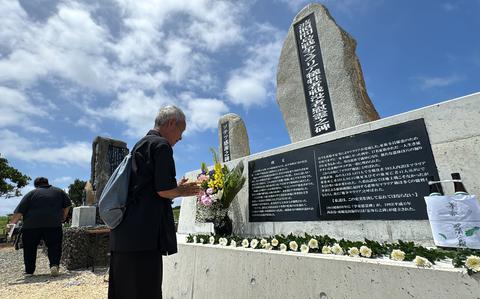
{"points": [[219, 188]]}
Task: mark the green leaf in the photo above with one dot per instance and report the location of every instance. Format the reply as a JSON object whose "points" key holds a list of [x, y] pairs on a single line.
{"points": [[471, 232]]}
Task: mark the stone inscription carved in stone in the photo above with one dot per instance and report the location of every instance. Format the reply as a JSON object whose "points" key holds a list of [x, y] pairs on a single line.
{"points": [[283, 187], [115, 156], [380, 174], [315, 86], [226, 142]]}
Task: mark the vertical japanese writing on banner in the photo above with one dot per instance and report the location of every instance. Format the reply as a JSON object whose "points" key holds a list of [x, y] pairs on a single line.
{"points": [[315, 86], [225, 142]]}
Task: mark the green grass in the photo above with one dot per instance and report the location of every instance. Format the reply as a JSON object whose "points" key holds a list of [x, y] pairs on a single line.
{"points": [[176, 213], [3, 223]]}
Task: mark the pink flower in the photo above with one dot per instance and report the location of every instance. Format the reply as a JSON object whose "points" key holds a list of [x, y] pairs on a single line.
{"points": [[202, 178], [206, 200], [209, 191]]}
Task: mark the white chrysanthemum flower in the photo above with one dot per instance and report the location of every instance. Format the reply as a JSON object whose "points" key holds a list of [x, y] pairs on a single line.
{"points": [[283, 247], [337, 249], [313, 243], [223, 241], [473, 263], [268, 246], [293, 245], [194, 239], [274, 242], [422, 262], [211, 240], [397, 255], [202, 240], [304, 248], [254, 243], [353, 252], [365, 251], [326, 249], [233, 243], [263, 242], [245, 243]]}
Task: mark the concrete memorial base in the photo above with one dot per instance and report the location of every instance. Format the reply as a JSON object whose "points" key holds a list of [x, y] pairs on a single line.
{"points": [[212, 271], [454, 136], [84, 216]]}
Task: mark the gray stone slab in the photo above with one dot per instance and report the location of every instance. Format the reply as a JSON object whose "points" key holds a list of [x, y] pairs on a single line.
{"points": [[349, 99], [233, 138], [454, 133], [84, 216], [211, 271]]}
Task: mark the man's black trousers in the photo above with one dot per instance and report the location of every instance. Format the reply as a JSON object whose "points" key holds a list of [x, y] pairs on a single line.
{"points": [[31, 238]]}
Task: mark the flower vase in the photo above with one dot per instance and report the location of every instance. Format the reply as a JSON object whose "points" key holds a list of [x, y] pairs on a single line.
{"points": [[222, 224]]}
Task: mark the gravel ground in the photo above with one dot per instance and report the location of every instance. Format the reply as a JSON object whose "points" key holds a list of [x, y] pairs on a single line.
{"points": [[69, 284]]}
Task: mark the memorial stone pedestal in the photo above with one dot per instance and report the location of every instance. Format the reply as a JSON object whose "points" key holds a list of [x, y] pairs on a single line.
{"points": [[84, 216]]}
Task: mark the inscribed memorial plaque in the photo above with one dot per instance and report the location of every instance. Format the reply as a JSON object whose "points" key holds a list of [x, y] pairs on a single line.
{"points": [[381, 174]]}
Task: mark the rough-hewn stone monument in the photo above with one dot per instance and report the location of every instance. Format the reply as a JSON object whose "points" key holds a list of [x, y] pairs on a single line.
{"points": [[233, 138], [320, 86], [107, 154]]}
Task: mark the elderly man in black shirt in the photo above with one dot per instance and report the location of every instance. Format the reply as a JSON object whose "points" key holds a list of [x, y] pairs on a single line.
{"points": [[43, 210], [147, 230]]}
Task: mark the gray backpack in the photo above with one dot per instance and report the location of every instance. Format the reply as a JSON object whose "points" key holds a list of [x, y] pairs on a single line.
{"points": [[114, 199]]}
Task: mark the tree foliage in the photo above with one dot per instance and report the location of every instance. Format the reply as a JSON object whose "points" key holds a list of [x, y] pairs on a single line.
{"points": [[11, 180], [75, 192]]}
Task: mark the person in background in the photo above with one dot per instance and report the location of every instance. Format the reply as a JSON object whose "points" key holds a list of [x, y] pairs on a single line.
{"points": [[42, 211], [147, 230]]}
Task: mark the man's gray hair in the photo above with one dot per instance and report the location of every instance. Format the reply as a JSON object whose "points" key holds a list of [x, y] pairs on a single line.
{"points": [[167, 113]]}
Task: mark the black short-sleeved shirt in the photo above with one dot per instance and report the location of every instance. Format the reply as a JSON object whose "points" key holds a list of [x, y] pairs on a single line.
{"points": [[148, 222], [43, 207]]}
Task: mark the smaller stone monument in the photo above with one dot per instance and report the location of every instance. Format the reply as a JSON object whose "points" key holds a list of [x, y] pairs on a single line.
{"points": [[89, 194], [107, 154], [233, 138], [85, 215]]}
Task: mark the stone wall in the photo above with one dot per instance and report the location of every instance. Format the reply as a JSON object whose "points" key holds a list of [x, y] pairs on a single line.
{"points": [[80, 249]]}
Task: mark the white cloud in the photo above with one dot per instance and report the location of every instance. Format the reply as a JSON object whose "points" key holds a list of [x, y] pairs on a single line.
{"points": [[16, 109], [252, 83], [62, 180], [348, 7], [159, 44], [136, 110], [203, 114], [435, 82], [69, 45], [73, 153]]}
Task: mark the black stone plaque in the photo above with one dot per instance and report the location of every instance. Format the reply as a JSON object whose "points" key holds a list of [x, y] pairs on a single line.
{"points": [[226, 142], [381, 174], [115, 156], [315, 85]]}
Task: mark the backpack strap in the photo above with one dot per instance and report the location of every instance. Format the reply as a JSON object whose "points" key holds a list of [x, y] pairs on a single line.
{"points": [[138, 145]]}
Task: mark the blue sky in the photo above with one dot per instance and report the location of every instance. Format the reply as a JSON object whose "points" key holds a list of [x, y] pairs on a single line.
{"points": [[72, 70]]}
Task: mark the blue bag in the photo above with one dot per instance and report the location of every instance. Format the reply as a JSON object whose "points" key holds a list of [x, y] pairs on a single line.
{"points": [[113, 201]]}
